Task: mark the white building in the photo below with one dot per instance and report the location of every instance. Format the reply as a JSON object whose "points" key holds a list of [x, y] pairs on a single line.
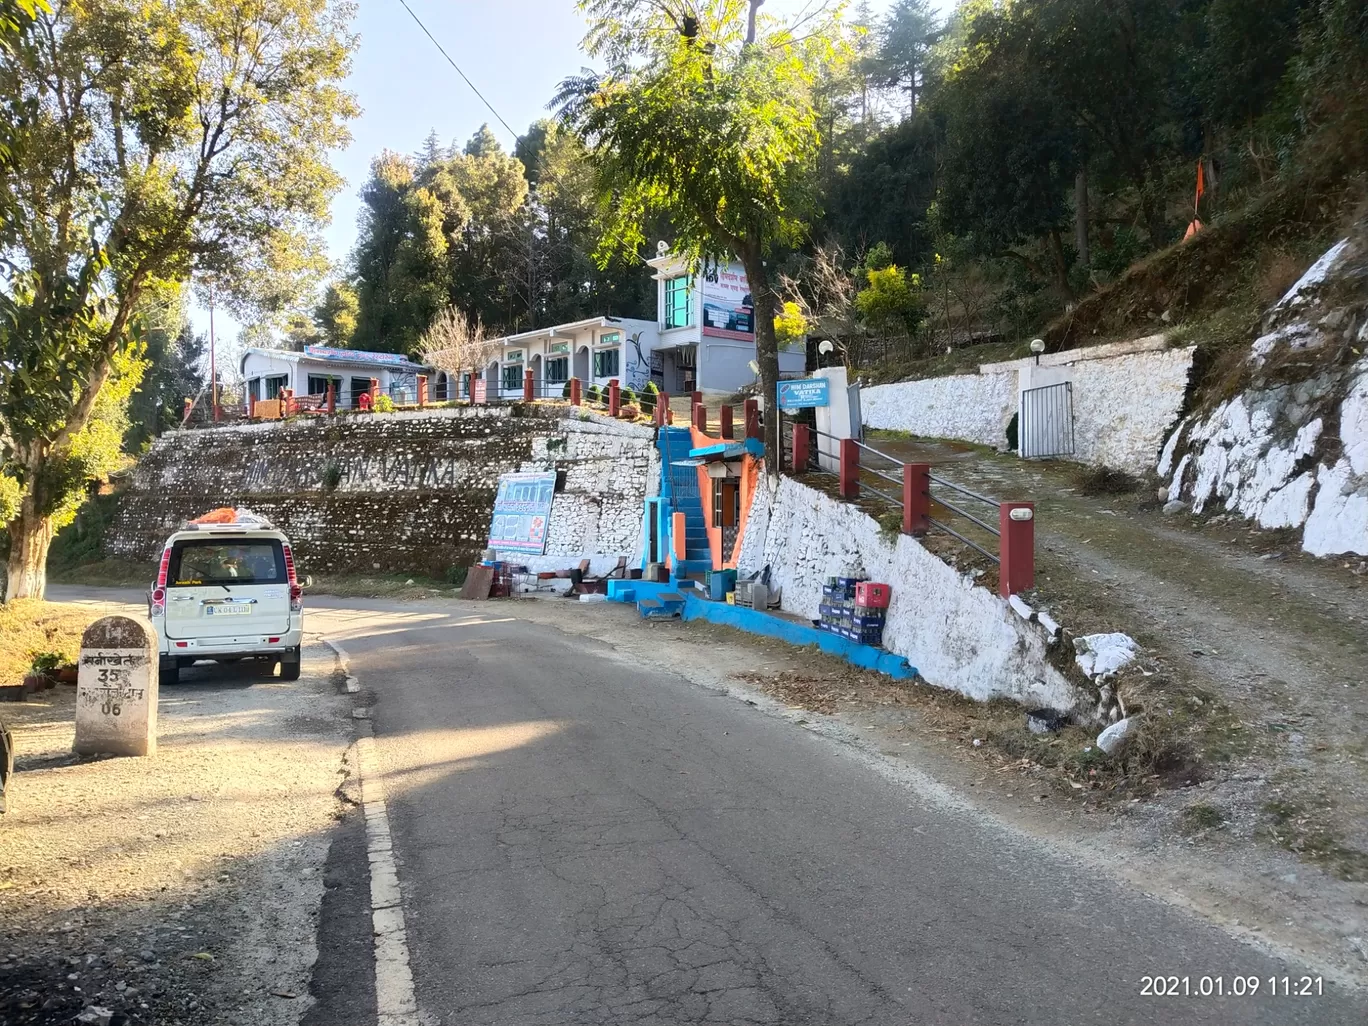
{"points": [[703, 339], [267, 371]]}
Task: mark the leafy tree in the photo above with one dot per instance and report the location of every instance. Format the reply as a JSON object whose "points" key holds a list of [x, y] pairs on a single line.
{"points": [[173, 374], [706, 115], [336, 314], [905, 40], [890, 303], [789, 322], [199, 142]]}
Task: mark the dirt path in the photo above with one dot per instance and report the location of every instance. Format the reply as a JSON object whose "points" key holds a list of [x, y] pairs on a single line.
{"points": [[183, 887], [1241, 613]]}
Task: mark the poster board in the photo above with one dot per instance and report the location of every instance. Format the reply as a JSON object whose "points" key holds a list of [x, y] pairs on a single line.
{"points": [[804, 393], [522, 511], [728, 311]]}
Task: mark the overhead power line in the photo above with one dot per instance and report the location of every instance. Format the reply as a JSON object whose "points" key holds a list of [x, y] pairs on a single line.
{"points": [[458, 69]]}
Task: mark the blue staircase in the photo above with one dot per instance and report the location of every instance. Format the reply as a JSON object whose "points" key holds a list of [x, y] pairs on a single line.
{"points": [[680, 486]]}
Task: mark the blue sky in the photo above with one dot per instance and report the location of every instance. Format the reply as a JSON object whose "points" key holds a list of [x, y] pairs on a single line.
{"points": [[514, 51]]}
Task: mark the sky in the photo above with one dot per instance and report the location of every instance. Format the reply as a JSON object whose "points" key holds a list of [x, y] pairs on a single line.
{"points": [[514, 51]]}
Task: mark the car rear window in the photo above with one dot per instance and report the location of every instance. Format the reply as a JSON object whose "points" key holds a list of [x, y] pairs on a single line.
{"points": [[225, 561]]}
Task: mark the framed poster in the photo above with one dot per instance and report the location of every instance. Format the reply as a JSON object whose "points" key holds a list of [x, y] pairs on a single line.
{"points": [[522, 512], [728, 311]]}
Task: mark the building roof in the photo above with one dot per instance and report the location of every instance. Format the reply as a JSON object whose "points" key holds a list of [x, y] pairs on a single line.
{"points": [[343, 357], [561, 329]]}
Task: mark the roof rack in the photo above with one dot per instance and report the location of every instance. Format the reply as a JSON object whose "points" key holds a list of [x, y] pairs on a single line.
{"points": [[229, 520]]}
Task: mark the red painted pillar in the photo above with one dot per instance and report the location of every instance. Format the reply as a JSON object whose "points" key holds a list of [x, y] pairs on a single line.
{"points": [[694, 399], [802, 445], [614, 397], [700, 418], [1016, 521], [725, 416], [332, 397], [251, 408], [374, 391], [850, 469], [916, 498], [422, 389], [529, 387], [574, 391], [662, 409], [752, 409]]}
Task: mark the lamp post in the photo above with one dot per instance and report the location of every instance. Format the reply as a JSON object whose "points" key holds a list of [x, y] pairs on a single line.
{"points": [[1037, 347]]}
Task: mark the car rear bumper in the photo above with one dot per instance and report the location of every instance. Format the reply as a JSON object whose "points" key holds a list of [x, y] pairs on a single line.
{"points": [[244, 645]]}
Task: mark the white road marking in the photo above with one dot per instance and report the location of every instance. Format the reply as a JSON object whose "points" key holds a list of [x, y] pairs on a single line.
{"points": [[396, 1003]]}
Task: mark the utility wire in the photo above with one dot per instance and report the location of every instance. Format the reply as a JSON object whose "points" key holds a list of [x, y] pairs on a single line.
{"points": [[458, 69]]}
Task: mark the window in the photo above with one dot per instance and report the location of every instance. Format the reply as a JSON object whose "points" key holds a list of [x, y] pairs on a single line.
{"points": [[319, 385], [275, 384], [254, 388], [606, 363], [512, 376], [558, 369], [677, 295], [213, 562], [726, 504]]}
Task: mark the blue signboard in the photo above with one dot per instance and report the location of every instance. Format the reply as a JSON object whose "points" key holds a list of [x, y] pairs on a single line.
{"points": [[522, 510], [803, 393]]}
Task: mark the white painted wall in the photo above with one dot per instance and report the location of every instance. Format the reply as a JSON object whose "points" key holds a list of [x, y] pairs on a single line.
{"points": [[970, 407], [959, 636]]}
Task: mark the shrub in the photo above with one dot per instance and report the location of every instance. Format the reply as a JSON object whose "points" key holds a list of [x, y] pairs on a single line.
{"points": [[565, 392], [456, 575], [627, 397], [332, 477], [593, 394], [384, 404]]}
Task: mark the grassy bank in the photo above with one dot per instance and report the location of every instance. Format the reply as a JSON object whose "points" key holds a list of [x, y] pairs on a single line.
{"points": [[28, 627]]}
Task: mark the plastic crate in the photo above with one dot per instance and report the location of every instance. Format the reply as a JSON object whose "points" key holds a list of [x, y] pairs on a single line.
{"points": [[872, 594]]}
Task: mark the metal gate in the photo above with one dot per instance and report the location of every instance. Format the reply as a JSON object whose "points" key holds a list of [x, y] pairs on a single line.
{"points": [[1046, 423]]}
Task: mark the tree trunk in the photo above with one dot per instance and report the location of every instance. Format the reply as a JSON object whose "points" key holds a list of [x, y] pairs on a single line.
{"points": [[1081, 217], [766, 352], [29, 535], [1061, 266]]}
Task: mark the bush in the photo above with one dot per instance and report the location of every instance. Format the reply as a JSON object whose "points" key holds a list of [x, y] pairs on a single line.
{"points": [[627, 396], [384, 404], [456, 575], [593, 394], [565, 392]]}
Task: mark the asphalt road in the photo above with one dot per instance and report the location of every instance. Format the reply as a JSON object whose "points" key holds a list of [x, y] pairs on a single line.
{"points": [[584, 839]]}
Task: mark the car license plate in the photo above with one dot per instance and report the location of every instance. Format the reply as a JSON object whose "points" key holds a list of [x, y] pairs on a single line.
{"points": [[228, 609]]}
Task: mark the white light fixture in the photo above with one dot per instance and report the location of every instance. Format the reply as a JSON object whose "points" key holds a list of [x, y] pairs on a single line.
{"points": [[754, 368], [1037, 347], [825, 346], [1022, 513]]}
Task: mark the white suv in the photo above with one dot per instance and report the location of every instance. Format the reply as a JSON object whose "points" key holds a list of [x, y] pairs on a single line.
{"points": [[228, 591]]}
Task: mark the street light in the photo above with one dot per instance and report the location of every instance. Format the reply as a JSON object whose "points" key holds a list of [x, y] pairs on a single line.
{"points": [[1037, 347]]}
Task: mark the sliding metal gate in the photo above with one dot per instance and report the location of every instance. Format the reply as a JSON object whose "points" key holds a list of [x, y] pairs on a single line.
{"points": [[1046, 424]]}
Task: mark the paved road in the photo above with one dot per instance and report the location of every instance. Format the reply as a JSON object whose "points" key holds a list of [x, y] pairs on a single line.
{"points": [[583, 839]]}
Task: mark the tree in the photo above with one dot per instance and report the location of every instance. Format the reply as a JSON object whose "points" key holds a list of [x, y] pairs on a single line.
{"points": [[456, 344], [713, 126], [906, 37], [171, 138], [174, 355], [335, 316]]}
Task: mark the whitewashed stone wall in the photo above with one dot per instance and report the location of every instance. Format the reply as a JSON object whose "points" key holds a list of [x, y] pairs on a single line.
{"points": [[1124, 406], [969, 407], [1267, 453], [611, 469], [1126, 398], [959, 635]]}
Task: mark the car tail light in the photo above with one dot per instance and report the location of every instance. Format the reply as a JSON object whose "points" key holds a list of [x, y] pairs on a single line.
{"points": [[296, 592], [158, 605]]}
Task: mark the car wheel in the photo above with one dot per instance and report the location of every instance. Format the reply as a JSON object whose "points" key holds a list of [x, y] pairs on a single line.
{"points": [[168, 671], [289, 664]]}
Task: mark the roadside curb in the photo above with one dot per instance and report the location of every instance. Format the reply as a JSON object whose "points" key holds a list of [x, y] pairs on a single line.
{"points": [[396, 1003]]}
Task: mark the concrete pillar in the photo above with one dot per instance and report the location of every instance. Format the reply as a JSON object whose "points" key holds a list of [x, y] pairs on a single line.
{"points": [[700, 418], [332, 397], [916, 498], [695, 399], [374, 391], [251, 406], [725, 423], [662, 409], [422, 389], [850, 469], [614, 397], [529, 387], [1016, 522], [116, 688], [752, 411], [574, 391]]}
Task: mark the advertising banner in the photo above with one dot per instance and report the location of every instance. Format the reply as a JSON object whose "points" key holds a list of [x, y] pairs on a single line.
{"points": [[522, 510], [727, 308]]}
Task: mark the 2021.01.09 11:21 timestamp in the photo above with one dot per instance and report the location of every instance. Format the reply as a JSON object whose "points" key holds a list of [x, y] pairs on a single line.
{"points": [[1231, 986]]}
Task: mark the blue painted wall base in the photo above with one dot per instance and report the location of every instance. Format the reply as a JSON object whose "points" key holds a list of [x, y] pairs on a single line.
{"points": [[754, 622]]}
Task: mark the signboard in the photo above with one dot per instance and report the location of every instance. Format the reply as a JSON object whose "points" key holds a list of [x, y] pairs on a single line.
{"points": [[728, 311], [479, 391], [522, 510], [804, 393], [357, 356]]}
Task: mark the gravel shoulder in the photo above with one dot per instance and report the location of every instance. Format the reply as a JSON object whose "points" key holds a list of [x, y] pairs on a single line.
{"points": [[182, 888]]}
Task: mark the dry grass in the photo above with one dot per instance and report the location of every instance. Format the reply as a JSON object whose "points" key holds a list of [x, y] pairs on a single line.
{"points": [[28, 627], [1278, 271], [1104, 481], [105, 573], [395, 586]]}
